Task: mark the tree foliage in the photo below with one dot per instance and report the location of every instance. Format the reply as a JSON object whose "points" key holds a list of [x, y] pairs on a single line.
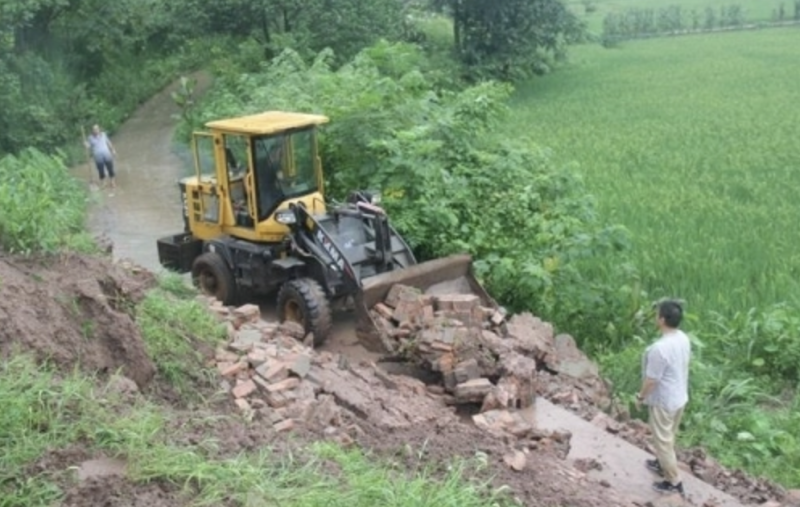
{"points": [[449, 181], [308, 26], [513, 38], [66, 63]]}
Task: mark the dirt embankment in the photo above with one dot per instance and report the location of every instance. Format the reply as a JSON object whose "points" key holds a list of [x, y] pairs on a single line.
{"points": [[75, 310]]}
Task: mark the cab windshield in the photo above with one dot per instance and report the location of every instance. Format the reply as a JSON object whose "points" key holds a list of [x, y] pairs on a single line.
{"points": [[277, 178]]}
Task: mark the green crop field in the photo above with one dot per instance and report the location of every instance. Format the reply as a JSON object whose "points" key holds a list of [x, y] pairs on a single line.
{"points": [[690, 142], [753, 10]]}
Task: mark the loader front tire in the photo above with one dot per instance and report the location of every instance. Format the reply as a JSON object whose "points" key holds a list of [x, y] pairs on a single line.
{"points": [[303, 301], [212, 276]]}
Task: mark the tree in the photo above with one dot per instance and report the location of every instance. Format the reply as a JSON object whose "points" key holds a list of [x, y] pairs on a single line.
{"points": [[307, 26], [512, 38]]}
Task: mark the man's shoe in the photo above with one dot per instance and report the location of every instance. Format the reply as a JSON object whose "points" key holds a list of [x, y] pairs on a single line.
{"points": [[667, 487], [654, 466]]}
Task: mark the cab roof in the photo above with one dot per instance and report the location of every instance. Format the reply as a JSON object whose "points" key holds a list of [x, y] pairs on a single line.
{"points": [[269, 122]]}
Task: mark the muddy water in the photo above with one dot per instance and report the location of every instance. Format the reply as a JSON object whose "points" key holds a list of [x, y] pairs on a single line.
{"points": [[146, 203]]}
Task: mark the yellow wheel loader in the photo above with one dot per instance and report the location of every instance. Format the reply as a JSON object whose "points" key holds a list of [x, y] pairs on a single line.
{"points": [[256, 221]]}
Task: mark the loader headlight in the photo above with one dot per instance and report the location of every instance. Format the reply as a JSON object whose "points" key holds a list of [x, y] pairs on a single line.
{"points": [[286, 217], [375, 198]]}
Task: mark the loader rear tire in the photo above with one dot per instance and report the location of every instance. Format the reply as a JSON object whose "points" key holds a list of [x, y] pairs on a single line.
{"points": [[303, 301], [211, 274]]}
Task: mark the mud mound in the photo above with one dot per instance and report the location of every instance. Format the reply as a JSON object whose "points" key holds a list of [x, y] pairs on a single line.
{"points": [[74, 310]]}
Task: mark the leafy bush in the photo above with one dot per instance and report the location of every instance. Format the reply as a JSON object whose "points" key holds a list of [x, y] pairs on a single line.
{"points": [[43, 206], [762, 343]]}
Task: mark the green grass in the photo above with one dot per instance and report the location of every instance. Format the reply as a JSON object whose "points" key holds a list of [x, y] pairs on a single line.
{"points": [[174, 326], [43, 411], [690, 143], [43, 207], [754, 10]]}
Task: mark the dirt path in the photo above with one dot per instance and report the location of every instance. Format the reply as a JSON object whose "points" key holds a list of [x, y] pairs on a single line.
{"points": [[146, 203]]}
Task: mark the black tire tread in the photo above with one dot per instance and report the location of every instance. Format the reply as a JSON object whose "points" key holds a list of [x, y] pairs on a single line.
{"points": [[216, 264], [317, 308]]}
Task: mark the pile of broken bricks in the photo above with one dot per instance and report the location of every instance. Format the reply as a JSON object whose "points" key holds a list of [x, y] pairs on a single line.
{"points": [[273, 376], [264, 364], [485, 357]]}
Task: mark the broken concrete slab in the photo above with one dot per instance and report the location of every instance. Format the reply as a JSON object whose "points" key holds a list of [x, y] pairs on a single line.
{"points": [[622, 463], [533, 337], [299, 364], [571, 361]]}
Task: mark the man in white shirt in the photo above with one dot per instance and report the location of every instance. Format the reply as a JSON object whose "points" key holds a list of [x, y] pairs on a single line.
{"points": [[665, 390]]}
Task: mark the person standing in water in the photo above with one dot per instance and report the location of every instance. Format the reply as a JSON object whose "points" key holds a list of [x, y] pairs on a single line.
{"points": [[103, 153]]}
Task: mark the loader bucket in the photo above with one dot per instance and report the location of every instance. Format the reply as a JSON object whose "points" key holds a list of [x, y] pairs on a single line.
{"points": [[447, 275]]}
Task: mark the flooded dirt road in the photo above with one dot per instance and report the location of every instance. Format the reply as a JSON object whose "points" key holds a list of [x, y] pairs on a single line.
{"points": [[146, 203]]}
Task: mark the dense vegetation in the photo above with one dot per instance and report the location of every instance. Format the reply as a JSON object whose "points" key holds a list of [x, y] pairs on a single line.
{"points": [[699, 176], [43, 206]]}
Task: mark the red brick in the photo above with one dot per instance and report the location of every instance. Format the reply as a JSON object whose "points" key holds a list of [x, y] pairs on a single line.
{"points": [[243, 405], [257, 357], [276, 400], [234, 369], [244, 389], [457, 302], [274, 371], [399, 292], [467, 370], [428, 316], [247, 313], [408, 312], [473, 390], [284, 385], [384, 310], [226, 356]]}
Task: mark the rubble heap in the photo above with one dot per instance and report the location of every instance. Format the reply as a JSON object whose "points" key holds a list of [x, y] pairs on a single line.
{"points": [[483, 356], [274, 377]]}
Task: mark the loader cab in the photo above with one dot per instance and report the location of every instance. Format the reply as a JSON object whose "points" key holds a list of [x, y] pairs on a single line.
{"points": [[250, 167]]}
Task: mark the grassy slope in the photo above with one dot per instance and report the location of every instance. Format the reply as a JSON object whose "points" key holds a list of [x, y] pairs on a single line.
{"points": [[690, 143], [754, 10]]}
